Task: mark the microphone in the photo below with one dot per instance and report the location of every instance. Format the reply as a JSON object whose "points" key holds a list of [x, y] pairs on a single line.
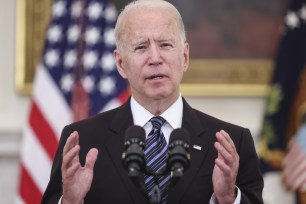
{"points": [[133, 158], [178, 155]]}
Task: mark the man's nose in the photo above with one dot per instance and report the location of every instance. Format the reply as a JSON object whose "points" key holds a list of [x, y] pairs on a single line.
{"points": [[154, 55]]}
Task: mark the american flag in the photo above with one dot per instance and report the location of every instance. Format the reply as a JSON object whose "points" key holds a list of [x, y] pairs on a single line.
{"points": [[76, 78], [284, 106], [295, 162]]}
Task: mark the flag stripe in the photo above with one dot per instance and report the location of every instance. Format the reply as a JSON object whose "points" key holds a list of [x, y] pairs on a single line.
{"points": [[124, 96], [117, 101], [42, 129], [50, 101], [35, 159], [28, 190], [292, 159], [301, 181]]}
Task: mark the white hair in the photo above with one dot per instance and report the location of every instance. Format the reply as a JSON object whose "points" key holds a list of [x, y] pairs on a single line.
{"points": [[147, 4]]}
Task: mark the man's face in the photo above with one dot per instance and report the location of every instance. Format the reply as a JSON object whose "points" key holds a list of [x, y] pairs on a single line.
{"points": [[153, 57]]}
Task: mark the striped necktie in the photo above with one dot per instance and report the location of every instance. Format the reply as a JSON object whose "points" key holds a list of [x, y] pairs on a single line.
{"points": [[156, 159]]}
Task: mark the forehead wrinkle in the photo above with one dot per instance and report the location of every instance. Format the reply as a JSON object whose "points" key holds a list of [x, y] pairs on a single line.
{"points": [[155, 34], [148, 41], [138, 32]]}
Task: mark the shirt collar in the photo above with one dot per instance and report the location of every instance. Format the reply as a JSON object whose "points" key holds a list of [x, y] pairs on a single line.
{"points": [[173, 115]]}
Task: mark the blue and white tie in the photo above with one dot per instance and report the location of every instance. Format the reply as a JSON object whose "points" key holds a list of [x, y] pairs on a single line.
{"points": [[156, 159]]}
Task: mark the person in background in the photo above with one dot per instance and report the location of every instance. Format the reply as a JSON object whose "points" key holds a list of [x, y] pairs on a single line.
{"points": [[152, 54]]}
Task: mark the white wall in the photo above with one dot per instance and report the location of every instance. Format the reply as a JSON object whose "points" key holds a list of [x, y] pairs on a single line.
{"points": [[244, 111], [13, 108]]}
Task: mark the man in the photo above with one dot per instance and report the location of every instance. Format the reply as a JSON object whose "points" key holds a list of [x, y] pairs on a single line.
{"points": [[152, 53]]}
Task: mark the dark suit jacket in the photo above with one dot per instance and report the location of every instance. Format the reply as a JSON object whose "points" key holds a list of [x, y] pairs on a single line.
{"points": [[111, 183]]}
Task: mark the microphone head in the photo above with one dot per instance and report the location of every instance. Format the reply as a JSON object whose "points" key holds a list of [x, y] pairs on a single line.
{"points": [[180, 134], [178, 156], [135, 132]]}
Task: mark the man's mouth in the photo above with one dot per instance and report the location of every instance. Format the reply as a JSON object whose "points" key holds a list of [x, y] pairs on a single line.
{"points": [[155, 77]]}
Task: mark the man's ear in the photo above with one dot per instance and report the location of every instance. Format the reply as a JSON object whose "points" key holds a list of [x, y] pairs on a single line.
{"points": [[119, 63], [186, 56]]}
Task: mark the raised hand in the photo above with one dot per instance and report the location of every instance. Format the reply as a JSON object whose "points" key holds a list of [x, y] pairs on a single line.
{"points": [[76, 179], [226, 169]]}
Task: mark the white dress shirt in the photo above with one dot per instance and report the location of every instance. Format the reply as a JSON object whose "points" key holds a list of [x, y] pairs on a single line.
{"points": [[173, 116]]}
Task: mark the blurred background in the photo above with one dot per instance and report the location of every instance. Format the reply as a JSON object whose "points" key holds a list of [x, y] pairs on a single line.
{"points": [[247, 67]]}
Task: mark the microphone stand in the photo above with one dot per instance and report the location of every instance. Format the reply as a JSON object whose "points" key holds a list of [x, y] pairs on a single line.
{"points": [[156, 194], [137, 178]]}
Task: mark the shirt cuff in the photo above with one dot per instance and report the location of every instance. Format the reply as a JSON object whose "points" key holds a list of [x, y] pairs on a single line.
{"points": [[213, 199], [60, 200]]}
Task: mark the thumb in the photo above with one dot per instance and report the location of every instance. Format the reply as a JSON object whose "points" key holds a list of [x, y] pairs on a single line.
{"points": [[91, 158]]}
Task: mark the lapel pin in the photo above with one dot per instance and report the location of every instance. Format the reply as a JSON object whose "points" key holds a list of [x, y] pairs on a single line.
{"points": [[197, 147]]}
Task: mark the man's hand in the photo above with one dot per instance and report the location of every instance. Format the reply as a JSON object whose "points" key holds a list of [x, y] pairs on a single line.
{"points": [[76, 179], [226, 169]]}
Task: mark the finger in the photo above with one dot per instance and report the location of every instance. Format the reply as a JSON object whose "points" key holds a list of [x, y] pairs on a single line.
{"points": [[233, 150], [72, 140], [69, 157], [223, 166], [224, 139], [91, 158], [228, 138], [223, 154]]}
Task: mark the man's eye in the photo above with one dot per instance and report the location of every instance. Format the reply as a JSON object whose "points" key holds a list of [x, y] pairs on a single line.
{"points": [[139, 48], [166, 45]]}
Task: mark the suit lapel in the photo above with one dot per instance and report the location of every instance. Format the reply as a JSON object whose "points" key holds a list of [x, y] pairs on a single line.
{"points": [[197, 131], [114, 145]]}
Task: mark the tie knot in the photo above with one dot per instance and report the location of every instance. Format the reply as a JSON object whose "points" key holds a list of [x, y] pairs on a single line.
{"points": [[157, 122]]}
